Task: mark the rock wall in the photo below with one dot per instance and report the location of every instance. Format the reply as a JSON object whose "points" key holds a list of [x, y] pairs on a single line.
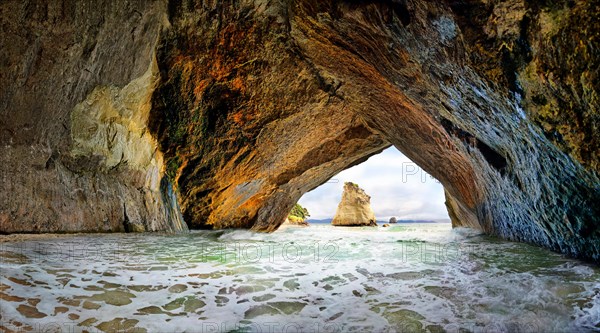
{"points": [[115, 115], [77, 79], [354, 208]]}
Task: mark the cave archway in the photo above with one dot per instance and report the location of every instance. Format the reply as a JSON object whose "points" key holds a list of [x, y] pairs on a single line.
{"points": [[231, 110], [251, 114], [243, 150]]}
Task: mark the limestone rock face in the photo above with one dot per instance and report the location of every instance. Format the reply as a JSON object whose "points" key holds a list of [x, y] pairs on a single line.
{"points": [[137, 115], [354, 208], [76, 155]]}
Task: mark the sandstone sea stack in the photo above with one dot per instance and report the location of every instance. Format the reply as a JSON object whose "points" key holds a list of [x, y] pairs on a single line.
{"points": [[354, 208]]}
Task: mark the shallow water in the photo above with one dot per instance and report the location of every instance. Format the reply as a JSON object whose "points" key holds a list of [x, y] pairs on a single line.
{"points": [[406, 278]]}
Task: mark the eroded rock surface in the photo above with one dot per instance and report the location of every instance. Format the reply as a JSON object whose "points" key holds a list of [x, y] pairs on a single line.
{"points": [[77, 79], [117, 115], [354, 208]]}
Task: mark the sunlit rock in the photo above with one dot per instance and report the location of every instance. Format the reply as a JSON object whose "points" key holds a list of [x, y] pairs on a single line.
{"points": [[354, 208]]}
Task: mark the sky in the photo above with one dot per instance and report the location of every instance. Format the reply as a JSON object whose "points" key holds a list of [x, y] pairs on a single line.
{"points": [[397, 186]]}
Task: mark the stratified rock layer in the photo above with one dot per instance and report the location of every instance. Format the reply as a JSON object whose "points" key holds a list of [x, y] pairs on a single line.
{"points": [[354, 208], [117, 115]]}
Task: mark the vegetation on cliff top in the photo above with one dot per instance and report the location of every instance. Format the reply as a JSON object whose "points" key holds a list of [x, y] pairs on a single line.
{"points": [[298, 213]]}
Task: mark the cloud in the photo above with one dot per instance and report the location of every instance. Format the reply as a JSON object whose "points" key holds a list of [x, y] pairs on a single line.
{"points": [[397, 187]]}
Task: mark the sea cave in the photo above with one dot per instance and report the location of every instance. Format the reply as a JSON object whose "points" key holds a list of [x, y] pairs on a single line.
{"points": [[152, 153]]}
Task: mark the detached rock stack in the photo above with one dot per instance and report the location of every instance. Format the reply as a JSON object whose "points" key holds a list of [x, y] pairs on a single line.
{"points": [[355, 208]]}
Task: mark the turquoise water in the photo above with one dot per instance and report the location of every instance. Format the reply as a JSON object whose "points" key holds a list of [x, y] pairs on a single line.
{"points": [[405, 278]]}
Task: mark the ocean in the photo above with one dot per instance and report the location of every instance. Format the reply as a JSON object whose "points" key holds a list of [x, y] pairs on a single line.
{"points": [[405, 278]]}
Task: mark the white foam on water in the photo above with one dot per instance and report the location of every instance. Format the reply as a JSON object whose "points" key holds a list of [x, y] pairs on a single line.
{"points": [[320, 279]]}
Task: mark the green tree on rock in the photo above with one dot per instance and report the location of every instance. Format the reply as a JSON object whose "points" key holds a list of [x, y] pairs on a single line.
{"points": [[299, 212]]}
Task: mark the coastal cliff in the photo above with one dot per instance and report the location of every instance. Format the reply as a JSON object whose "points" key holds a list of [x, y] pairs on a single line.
{"points": [[140, 115], [354, 208]]}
